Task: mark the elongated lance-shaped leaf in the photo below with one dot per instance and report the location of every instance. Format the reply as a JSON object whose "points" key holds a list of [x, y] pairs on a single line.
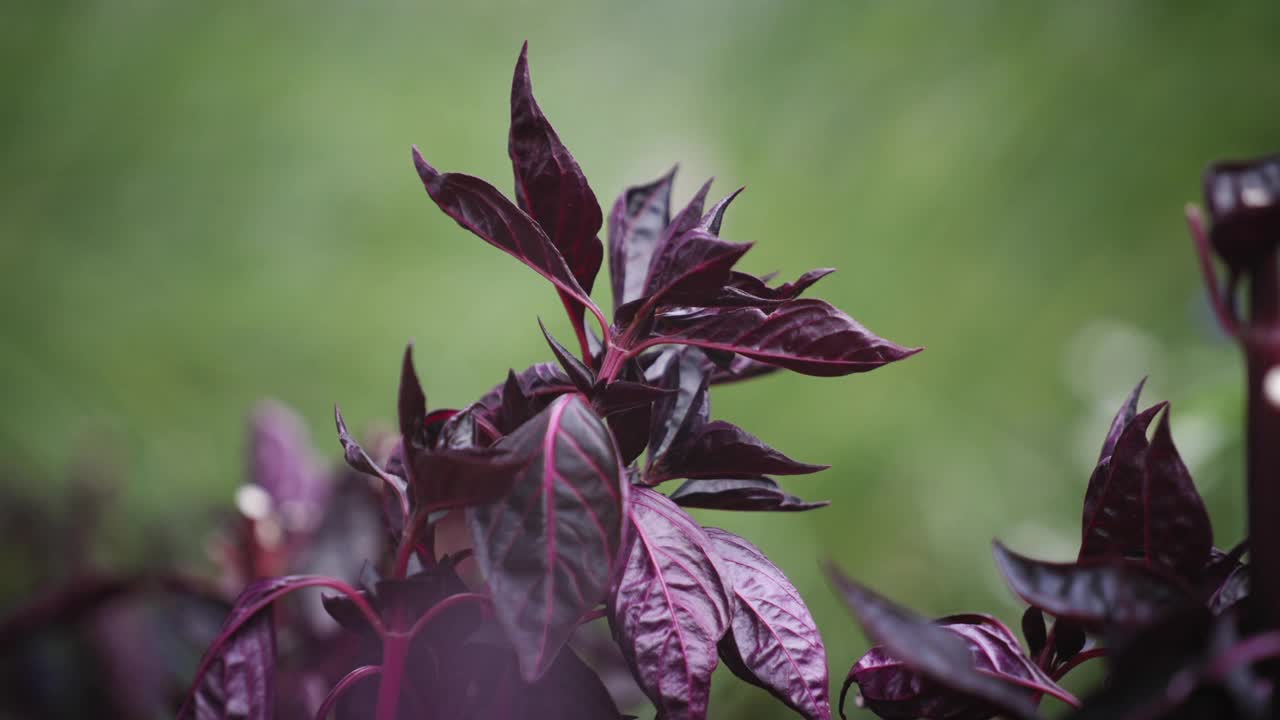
{"points": [[682, 222], [926, 650], [715, 216], [412, 406], [721, 449], [623, 395], [1124, 416], [635, 226], [547, 549], [550, 186], [479, 207], [748, 493], [578, 373], [678, 416], [670, 607], [1092, 593], [804, 335], [631, 427], [692, 269], [773, 642], [1142, 503], [741, 368]]}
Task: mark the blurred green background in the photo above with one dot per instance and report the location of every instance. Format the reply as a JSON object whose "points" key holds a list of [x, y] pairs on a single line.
{"points": [[203, 204]]}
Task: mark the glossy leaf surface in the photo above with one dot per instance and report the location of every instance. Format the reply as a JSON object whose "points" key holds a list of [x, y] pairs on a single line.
{"points": [[721, 449], [548, 547], [636, 223], [773, 641], [929, 652], [671, 606], [479, 207], [1093, 593], [550, 186], [807, 336], [758, 494]]}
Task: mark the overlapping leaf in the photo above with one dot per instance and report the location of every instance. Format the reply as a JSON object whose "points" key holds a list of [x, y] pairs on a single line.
{"points": [[1141, 502], [548, 547], [479, 207], [636, 223], [1092, 593], [922, 669], [803, 335], [773, 641], [671, 606], [747, 493]]}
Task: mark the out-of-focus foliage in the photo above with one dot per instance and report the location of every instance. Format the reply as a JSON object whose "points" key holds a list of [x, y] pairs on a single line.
{"points": [[204, 204]]}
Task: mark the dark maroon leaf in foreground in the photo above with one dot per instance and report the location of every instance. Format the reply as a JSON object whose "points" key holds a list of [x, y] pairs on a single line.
{"points": [[671, 606], [569, 691], [548, 547], [631, 427], [234, 677], [773, 641], [550, 186], [804, 335], [922, 669], [1141, 502], [479, 207], [635, 225], [578, 373], [1093, 593], [752, 493], [240, 682]]}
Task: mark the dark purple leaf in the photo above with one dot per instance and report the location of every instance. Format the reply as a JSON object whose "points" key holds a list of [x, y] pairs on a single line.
{"points": [[682, 222], [1233, 589], [678, 416], [517, 407], [670, 607], [450, 478], [623, 395], [922, 669], [711, 221], [1033, 629], [1092, 593], [543, 383], [1141, 502], [412, 405], [692, 267], [355, 455], [753, 493], [569, 691], [741, 368], [548, 547], [721, 449], [550, 186], [635, 225], [807, 336], [773, 642], [1128, 411], [756, 288], [578, 373], [1068, 639], [479, 207], [631, 427]]}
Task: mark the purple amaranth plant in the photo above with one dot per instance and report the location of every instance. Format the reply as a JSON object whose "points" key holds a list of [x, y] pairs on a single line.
{"points": [[1188, 630], [565, 524]]}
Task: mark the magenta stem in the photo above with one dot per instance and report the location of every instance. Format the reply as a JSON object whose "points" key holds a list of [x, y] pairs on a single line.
{"points": [[343, 685], [395, 650]]}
